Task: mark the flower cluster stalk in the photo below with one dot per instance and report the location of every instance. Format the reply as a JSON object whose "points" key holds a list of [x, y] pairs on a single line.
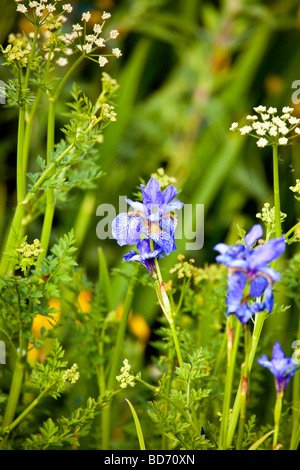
{"points": [[276, 190], [14, 393]]}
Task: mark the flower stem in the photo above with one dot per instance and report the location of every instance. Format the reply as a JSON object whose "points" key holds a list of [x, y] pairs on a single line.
{"points": [[244, 388], [15, 230], [276, 190], [50, 204], [232, 345], [293, 229], [66, 77], [259, 322], [296, 406], [277, 416], [167, 310], [14, 393], [20, 162]]}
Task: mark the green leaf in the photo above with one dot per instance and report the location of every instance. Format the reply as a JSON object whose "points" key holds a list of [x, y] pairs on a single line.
{"points": [[261, 440], [138, 426]]}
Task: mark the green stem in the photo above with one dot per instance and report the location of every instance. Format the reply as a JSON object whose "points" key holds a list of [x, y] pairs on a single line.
{"points": [[15, 230], [66, 77], [293, 229], [244, 387], [50, 201], [114, 367], [30, 407], [47, 173], [31, 56], [232, 345], [20, 162], [276, 190], [50, 204], [14, 393], [28, 130], [12, 240], [277, 416], [167, 310], [296, 406], [259, 322]]}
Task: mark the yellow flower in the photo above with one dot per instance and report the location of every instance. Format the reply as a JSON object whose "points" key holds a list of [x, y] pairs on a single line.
{"points": [[139, 327], [84, 301], [40, 322]]}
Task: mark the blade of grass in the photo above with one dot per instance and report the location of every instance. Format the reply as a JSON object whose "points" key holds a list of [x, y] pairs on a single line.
{"points": [[137, 426]]}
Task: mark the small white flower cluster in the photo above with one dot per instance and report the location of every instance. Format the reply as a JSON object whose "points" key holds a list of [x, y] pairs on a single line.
{"points": [[296, 188], [126, 378], [267, 215], [108, 112], [43, 13], [270, 129], [71, 375], [92, 41], [28, 250]]}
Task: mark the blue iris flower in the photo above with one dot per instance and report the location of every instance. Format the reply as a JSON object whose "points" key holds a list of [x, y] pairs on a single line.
{"points": [[145, 255], [150, 219], [250, 265], [283, 368]]}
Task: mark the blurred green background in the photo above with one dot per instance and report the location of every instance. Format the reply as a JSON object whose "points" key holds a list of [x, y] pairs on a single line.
{"points": [[189, 69]]}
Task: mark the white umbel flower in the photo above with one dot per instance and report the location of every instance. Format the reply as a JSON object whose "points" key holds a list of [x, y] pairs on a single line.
{"points": [[86, 16], [21, 8], [116, 52], [283, 141], [102, 61], [262, 142], [62, 61], [114, 34], [234, 126], [245, 130], [105, 15]]}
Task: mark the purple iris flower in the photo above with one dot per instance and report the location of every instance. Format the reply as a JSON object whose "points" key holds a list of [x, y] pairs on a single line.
{"points": [[283, 368], [145, 255], [250, 265], [150, 219]]}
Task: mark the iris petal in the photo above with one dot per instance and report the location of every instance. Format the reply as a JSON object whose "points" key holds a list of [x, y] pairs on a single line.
{"points": [[127, 229], [236, 285], [138, 206], [164, 240], [253, 235], [283, 368], [152, 193], [265, 254], [258, 286]]}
